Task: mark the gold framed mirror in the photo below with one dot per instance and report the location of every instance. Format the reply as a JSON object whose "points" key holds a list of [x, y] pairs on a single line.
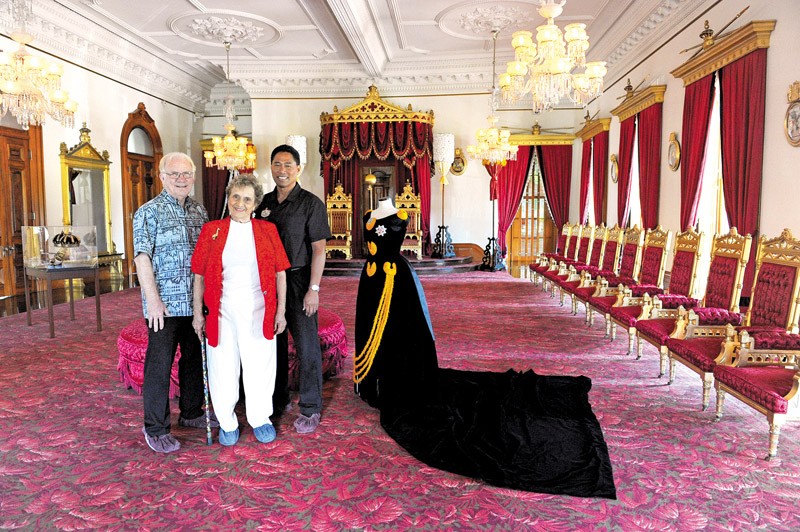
{"points": [[85, 193]]}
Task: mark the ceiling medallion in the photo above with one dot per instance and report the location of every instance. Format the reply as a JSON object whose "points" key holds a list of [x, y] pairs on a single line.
{"points": [[483, 20], [225, 29]]}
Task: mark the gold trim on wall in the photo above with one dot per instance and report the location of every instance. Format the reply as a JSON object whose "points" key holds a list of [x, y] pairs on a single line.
{"points": [[593, 127], [374, 109], [541, 140], [639, 101], [726, 50]]}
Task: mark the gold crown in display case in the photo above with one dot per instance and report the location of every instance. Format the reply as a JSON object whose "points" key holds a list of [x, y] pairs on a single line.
{"points": [[66, 249]]}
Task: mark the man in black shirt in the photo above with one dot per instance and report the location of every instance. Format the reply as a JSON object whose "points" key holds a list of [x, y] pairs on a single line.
{"points": [[303, 227]]}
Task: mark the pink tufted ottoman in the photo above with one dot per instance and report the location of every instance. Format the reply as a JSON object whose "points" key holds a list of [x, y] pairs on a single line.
{"points": [[132, 346]]}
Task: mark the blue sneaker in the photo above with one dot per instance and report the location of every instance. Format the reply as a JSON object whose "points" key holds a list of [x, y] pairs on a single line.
{"points": [[228, 438], [265, 433]]}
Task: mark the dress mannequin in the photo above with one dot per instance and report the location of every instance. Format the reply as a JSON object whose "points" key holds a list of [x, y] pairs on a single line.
{"points": [[385, 208]]}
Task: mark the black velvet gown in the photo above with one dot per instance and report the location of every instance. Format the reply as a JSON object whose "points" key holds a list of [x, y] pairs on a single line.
{"points": [[517, 430]]}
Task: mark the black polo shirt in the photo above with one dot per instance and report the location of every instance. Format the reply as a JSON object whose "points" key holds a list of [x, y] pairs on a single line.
{"points": [[301, 219]]}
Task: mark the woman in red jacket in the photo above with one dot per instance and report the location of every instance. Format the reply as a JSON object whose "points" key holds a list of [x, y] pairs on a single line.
{"points": [[239, 265]]}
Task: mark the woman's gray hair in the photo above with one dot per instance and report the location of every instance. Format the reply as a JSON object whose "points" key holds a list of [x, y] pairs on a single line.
{"points": [[246, 180]]}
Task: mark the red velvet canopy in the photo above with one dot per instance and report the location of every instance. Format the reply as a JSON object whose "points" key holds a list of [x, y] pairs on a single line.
{"points": [[375, 130]]}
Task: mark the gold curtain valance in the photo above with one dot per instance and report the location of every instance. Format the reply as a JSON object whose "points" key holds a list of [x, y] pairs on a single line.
{"points": [[726, 50], [374, 109], [593, 127], [639, 101]]}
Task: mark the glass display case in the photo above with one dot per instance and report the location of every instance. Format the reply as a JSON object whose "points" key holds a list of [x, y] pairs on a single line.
{"points": [[59, 246]]}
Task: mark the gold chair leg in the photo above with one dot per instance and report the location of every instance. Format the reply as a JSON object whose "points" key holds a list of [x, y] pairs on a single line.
{"points": [[720, 404], [708, 382], [774, 434], [671, 370], [631, 340], [663, 355], [612, 328], [638, 346]]}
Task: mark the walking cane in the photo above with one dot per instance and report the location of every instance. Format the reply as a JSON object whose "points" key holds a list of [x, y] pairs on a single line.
{"points": [[205, 390]]}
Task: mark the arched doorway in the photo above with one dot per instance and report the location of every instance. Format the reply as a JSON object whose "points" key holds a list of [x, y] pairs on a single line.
{"points": [[141, 151]]}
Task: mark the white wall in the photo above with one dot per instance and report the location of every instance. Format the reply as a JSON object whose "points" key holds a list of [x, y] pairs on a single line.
{"points": [[104, 106], [781, 160], [467, 206]]}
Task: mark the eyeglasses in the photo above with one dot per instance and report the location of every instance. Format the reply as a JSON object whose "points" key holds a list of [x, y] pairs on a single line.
{"points": [[176, 175]]}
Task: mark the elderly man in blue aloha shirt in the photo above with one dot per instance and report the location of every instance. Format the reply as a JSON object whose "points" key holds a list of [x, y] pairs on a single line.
{"points": [[165, 231]]}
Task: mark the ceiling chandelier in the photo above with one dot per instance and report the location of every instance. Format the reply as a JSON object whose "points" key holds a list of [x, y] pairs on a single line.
{"points": [[545, 71], [230, 152], [30, 86], [493, 147]]}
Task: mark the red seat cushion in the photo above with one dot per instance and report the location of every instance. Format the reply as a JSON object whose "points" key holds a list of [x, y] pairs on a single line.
{"points": [[583, 293], [717, 316], [775, 340], [700, 352], [626, 315], [766, 385], [569, 286], [657, 329], [641, 289], [677, 300], [132, 347], [603, 303]]}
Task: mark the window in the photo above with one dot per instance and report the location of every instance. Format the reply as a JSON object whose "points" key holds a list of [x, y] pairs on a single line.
{"points": [[712, 218], [635, 217], [531, 225]]}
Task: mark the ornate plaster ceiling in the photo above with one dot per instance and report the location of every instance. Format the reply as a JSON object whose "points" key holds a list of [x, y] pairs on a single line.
{"points": [[313, 48]]}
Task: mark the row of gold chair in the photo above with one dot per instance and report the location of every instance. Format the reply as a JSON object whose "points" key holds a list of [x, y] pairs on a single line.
{"points": [[753, 355]]}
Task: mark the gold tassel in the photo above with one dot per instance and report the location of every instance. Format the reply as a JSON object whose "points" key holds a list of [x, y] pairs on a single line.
{"points": [[363, 361]]}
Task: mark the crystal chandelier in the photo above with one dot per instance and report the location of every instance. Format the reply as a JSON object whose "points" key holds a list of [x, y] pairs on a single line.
{"points": [[30, 86], [493, 147], [546, 71], [230, 152]]}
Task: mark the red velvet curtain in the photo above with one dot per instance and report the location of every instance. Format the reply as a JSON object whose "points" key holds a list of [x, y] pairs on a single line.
{"points": [[649, 132], [743, 86], [556, 168], [343, 143], [422, 168], [696, 116], [214, 183], [627, 130], [510, 185], [600, 171], [586, 165]]}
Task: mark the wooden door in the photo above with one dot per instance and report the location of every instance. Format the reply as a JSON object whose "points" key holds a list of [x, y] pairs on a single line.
{"points": [[140, 182], [21, 199]]}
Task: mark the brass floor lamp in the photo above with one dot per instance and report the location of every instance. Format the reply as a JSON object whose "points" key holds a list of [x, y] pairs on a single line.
{"points": [[443, 156]]}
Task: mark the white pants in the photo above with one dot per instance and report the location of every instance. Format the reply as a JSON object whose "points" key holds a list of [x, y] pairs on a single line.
{"points": [[240, 346]]}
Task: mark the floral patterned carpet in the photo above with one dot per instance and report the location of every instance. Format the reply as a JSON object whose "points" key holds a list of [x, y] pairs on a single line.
{"points": [[72, 456]]}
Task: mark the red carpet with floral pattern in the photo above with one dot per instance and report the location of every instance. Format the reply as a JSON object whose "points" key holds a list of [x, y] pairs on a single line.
{"points": [[72, 456]]}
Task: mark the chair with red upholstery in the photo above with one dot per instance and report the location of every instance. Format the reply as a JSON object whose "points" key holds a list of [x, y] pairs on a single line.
{"points": [[729, 255], [650, 274], [585, 244], [568, 255], [763, 368], [585, 278], [594, 260], [773, 309], [542, 263], [634, 303], [630, 262]]}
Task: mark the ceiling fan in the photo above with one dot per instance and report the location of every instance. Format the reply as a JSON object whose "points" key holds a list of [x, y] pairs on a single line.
{"points": [[710, 37]]}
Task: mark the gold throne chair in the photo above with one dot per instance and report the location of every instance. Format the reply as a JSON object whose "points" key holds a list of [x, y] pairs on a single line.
{"points": [[410, 202], [340, 219]]}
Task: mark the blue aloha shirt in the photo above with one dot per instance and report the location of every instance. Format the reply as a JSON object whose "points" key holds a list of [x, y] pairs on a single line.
{"points": [[167, 233]]}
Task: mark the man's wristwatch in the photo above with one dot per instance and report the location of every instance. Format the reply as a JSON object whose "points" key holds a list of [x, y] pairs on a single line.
{"points": [[315, 287]]}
